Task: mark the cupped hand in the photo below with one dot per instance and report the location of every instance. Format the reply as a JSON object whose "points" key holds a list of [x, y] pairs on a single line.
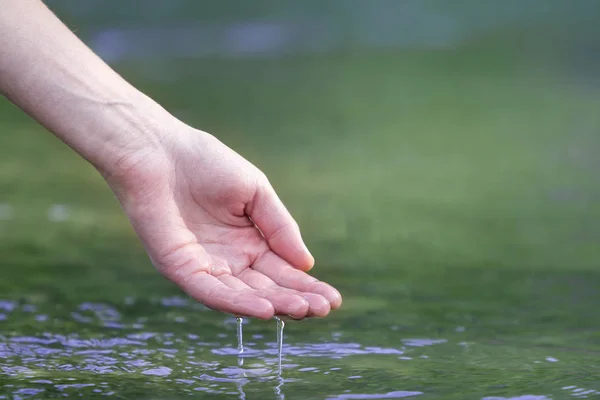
{"points": [[212, 223]]}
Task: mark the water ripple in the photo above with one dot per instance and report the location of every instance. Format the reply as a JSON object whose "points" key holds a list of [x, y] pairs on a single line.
{"points": [[326, 350], [389, 395], [104, 342]]}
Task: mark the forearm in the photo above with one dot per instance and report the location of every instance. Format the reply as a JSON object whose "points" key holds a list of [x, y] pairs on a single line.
{"points": [[54, 77]]}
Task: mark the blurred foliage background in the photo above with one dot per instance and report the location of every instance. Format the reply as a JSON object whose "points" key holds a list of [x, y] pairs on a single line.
{"points": [[411, 139]]}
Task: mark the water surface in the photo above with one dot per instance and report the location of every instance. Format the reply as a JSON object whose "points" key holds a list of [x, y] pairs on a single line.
{"points": [[171, 347]]}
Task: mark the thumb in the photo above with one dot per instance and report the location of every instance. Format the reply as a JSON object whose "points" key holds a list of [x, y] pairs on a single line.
{"points": [[279, 228]]}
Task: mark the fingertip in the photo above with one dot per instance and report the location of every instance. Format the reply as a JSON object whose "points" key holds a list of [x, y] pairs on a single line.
{"points": [[253, 306], [319, 305], [300, 309], [263, 309], [301, 259], [310, 261], [308, 257], [329, 292], [293, 251], [337, 301], [305, 261], [335, 298], [294, 306]]}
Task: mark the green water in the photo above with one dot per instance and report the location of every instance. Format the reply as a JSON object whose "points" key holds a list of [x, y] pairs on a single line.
{"points": [[513, 338], [452, 197]]}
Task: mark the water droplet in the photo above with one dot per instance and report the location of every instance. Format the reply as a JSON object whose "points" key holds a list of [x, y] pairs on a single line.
{"points": [[280, 326], [240, 344]]}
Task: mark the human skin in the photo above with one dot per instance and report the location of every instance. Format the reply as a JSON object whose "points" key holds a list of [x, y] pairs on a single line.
{"points": [[210, 220]]}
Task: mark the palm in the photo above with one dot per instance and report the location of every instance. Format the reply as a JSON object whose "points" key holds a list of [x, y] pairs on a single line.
{"points": [[197, 210]]}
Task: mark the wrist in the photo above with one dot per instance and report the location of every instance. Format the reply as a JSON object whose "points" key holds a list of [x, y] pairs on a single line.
{"points": [[132, 130]]}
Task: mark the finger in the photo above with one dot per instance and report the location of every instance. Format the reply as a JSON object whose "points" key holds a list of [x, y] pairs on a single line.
{"points": [[235, 283], [284, 275], [286, 301], [279, 228], [318, 305], [215, 294]]}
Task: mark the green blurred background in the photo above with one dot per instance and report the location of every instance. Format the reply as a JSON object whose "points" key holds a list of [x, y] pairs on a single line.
{"points": [[441, 159]]}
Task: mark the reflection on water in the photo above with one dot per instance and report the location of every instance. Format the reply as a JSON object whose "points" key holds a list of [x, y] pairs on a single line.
{"points": [[422, 342], [527, 397], [97, 342], [29, 357], [581, 393], [390, 395], [102, 349]]}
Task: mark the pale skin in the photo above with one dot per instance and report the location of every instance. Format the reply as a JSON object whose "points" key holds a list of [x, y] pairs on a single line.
{"points": [[210, 220]]}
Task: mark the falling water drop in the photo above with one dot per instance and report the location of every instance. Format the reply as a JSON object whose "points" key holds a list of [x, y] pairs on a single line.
{"points": [[280, 326], [240, 346]]}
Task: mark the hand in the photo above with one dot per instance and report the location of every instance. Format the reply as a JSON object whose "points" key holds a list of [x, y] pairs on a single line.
{"points": [[210, 220], [212, 223]]}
